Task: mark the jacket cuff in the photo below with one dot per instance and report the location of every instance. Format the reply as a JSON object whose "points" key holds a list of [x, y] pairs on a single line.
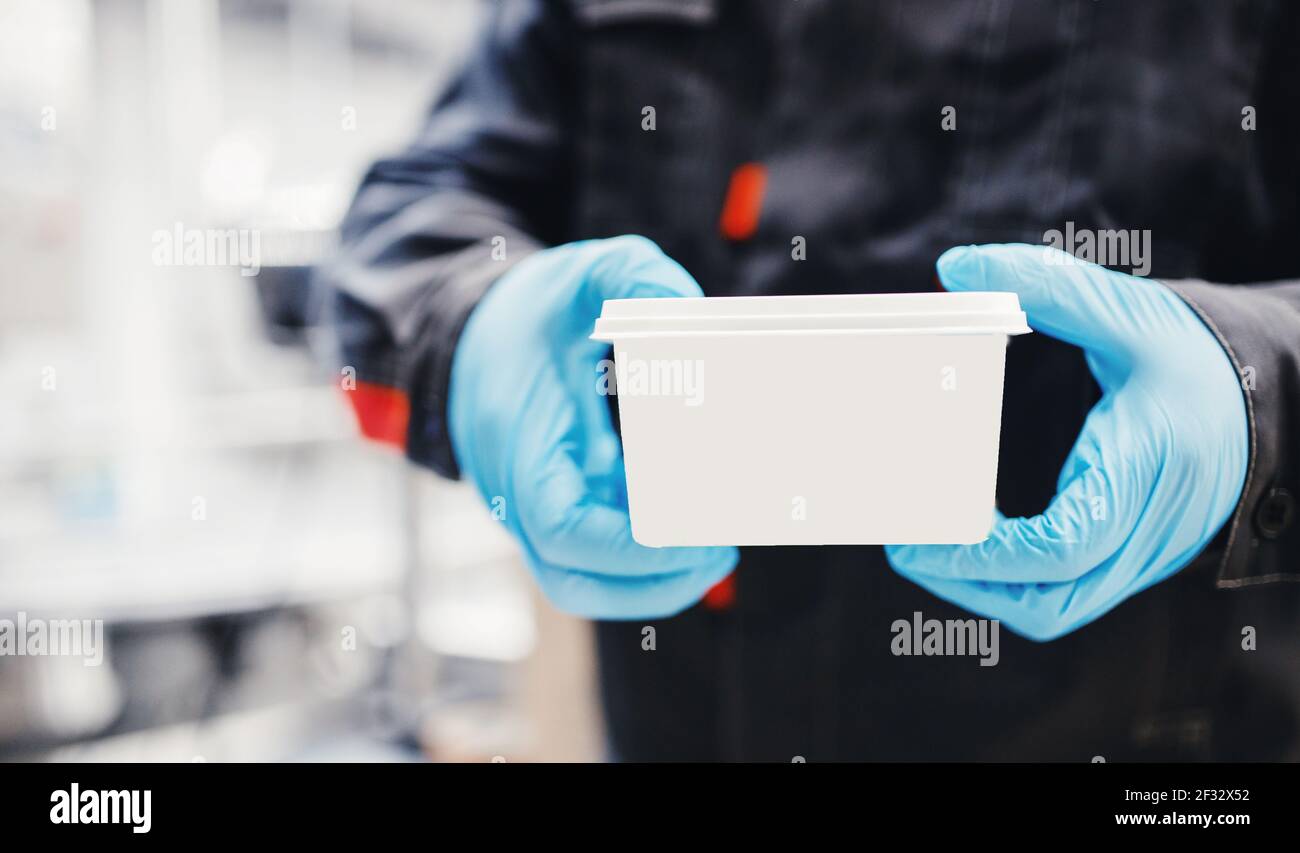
{"points": [[1258, 330], [428, 440]]}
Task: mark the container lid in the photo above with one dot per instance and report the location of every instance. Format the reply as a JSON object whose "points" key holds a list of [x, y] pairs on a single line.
{"points": [[870, 313]]}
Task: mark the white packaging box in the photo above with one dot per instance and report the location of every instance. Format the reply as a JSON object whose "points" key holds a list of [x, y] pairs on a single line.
{"points": [[811, 420]]}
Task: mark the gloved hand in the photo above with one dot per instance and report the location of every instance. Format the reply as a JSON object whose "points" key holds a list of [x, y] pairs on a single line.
{"points": [[529, 426], [1156, 472]]}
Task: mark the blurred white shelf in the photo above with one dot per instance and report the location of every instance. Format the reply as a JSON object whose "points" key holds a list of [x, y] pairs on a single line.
{"points": [[231, 421], [170, 579]]}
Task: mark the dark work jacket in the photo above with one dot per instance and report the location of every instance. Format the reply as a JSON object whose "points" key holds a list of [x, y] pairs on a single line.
{"points": [[1181, 117]]}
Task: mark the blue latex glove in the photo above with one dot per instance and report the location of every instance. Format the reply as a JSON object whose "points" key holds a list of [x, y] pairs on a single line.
{"points": [[1156, 472], [533, 433]]}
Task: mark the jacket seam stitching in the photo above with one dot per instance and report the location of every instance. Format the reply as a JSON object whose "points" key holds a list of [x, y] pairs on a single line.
{"points": [[1237, 583]]}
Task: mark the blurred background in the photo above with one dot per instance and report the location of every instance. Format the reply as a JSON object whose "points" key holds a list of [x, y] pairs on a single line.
{"points": [[175, 458]]}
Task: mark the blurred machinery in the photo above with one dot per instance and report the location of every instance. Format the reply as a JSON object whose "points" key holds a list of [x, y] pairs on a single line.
{"points": [[174, 460]]}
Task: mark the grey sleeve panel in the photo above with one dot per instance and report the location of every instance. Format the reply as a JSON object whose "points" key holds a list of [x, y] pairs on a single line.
{"points": [[484, 184], [1259, 328]]}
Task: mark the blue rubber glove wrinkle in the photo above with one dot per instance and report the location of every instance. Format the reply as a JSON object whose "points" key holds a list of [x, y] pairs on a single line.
{"points": [[532, 432], [1156, 472]]}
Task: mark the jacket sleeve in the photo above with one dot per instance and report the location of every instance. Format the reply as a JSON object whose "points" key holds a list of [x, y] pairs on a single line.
{"points": [[1259, 327], [429, 230]]}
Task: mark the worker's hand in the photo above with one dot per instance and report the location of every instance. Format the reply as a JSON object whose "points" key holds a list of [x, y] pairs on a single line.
{"points": [[1156, 472], [531, 429]]}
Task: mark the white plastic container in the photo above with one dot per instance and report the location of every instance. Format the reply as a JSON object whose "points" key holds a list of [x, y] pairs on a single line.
{"points": [[811, 420]]}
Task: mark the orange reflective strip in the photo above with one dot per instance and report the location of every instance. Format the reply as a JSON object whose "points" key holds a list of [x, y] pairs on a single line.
{"points": [[382, 412], [744, 201], [722, 594]]}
